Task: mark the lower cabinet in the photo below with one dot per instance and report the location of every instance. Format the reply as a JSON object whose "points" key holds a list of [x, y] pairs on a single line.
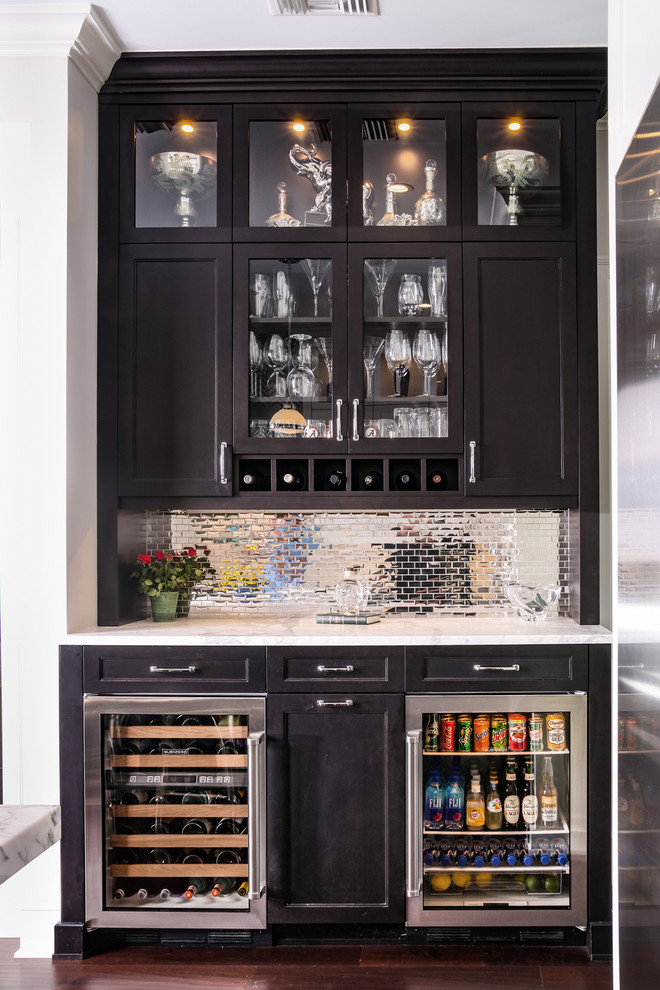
{"points": [[335, 792]]}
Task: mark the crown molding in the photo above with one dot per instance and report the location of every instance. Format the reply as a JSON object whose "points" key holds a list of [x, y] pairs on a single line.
{"points": [[79, 30]]}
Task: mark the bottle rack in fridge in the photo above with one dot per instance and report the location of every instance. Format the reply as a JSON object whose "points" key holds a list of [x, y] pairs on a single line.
{"points": [[496, 821], [174, 812]]}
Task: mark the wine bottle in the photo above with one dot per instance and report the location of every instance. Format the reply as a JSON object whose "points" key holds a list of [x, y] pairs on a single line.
{"points": [[293, 479], [336, 480], [373, 481], [196, 826], [405, 481], [130, 888], [197, 886], [244, 889], [436, 480], [224, 885], [226, 826]]}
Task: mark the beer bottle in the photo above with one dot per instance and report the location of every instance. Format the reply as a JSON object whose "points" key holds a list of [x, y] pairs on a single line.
{"points": [[549, 811], [494, 815], [511, 797], [529, 803], [432, 733]]}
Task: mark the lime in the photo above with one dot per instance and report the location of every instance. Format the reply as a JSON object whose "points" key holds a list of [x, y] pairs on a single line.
{"points": [[440, 881], [533, 883], [460, 879], [552, 883]]}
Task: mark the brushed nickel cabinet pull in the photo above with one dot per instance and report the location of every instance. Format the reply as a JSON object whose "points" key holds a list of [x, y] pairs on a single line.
{"points": [[514, 666], [348, 669], [413, 805], [153, 669], [336, 704], [356, 406], [338, 405], [472, 479], [223, 467]]}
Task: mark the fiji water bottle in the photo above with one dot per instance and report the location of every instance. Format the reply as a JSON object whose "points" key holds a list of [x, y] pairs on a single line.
{"points": [[454, 804], [434, 802]]}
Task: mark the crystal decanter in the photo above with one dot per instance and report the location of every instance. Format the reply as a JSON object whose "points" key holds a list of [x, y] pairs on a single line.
{"points": [[430, 208], [282, 218]]}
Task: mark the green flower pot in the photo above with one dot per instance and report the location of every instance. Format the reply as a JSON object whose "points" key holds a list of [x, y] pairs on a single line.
{"points": [[163, 606]]}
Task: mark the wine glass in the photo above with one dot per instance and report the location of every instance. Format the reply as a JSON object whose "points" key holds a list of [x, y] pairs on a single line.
{"points": [[426, 352], [378, 272], [324, 347], [277, 356], [315, 269], [372, 350], [301, 380], [256, 363], [398, 355]]}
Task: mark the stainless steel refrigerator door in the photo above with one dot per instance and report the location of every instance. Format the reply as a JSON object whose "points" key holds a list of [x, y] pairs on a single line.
{"points": [[498, 910], [248, 912]]}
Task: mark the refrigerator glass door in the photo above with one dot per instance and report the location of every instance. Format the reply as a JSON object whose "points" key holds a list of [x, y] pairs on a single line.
{"points": [[497, 809], [174, 812]]}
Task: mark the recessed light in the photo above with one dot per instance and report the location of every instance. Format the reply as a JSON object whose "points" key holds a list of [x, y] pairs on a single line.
{"points": [[514, 125], [404, 125], [188, 128], [299, 126]]}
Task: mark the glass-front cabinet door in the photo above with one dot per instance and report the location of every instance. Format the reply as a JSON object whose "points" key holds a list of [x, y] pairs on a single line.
{"points": [[176, 179], [290, 357], [403, 172], [290, 173], [516, 171], [405, 349]]}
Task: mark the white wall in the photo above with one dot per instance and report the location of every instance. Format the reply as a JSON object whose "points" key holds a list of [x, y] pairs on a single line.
{"points": [[634, 68]]}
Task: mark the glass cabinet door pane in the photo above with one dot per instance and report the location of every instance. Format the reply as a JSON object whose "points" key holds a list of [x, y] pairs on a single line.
{"points": [[290, 348], [405, 347], [290, 173], [518, 171], [404, 178], [175, 810], [176, 173]]}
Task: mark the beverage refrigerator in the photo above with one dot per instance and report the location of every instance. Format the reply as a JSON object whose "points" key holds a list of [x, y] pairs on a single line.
{"points": [[175, 812], [469, 866]]}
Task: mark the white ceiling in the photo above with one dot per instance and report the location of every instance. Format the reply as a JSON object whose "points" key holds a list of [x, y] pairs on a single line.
{"points": [[237, 25]]}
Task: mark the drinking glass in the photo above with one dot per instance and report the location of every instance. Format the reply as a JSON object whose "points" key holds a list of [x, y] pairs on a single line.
{"points": [[378, 272], [399, 358], [372, 350], [256, 363], [315, 269], [324, 347], [437, 286], [426, 352], [261, 299], [284, 297], [411, 294], [405, 418], [301, 380], [277, 357]]}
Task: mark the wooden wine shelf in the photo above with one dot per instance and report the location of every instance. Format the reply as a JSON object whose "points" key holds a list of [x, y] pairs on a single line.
{"points": [[179, 811], [230, 840], [157, 760], [180, 870], [178, 732]]}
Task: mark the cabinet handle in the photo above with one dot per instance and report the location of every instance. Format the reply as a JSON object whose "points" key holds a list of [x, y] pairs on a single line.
{"points": [[413, 824], [255, 757], [153, 669], [514, 666], [473, 476], [356, 406], [336, 704], [338, 405], [223, 470], [348, 669]]}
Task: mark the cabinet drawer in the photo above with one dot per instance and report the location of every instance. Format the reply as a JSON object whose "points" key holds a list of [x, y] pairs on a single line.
{"points": [[329, 668], [174, 670], [538, 668]]}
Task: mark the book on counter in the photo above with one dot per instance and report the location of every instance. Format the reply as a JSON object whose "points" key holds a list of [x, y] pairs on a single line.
{"points": [[348, 620]]}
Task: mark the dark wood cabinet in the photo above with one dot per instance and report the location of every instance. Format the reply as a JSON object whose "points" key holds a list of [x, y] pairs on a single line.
{"points": [[336, 808], [521, 366]]}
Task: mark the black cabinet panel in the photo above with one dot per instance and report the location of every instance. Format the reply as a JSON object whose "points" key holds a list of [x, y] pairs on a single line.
{"points": [[174, 390], [329, 668], [496, 668], [521, 369], [336, 808], [174, 670]]}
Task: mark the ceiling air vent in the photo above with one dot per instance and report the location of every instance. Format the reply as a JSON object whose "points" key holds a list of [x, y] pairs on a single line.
{"points": [[368, 7]]}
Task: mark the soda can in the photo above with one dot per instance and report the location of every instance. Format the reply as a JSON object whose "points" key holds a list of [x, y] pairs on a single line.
{"points": [[482, 733], [448, 733], [535, 728], [556, 730], [465, 733], [432, 734], [517, 732], [498, 732]]}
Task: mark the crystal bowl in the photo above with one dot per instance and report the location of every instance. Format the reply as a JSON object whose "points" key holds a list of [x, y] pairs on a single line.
{"points": [[181, 171], [514, 167], [533, 604]]}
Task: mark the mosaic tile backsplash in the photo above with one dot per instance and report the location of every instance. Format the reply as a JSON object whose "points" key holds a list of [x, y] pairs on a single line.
{"points": [[455, 562]]}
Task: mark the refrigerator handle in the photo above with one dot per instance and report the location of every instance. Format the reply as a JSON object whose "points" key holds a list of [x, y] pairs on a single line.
{"points": [[413, 823], [256, 781]]}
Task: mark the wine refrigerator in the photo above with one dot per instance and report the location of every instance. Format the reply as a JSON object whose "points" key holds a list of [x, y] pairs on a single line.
{"points": [[496, 810], [175, 812]]}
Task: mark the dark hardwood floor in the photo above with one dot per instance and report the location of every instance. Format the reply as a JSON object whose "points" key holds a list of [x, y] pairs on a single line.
{"points": [[311, 968]]}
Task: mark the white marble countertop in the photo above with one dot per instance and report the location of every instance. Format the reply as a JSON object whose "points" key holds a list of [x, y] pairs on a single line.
{"points": [[26, 830], [273, 630]]}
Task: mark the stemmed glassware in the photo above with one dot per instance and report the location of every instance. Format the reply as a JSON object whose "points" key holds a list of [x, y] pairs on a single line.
{"points": [[315, 269], [277, 356], [324, 346], [398, 355], [256, 364], [301, 381], [378, 272], [372, 350], [427, 354]]}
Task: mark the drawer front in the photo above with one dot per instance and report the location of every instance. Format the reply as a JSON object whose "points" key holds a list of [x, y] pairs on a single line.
{"points": [[174, 670], [540, 668], [330, 668]]}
